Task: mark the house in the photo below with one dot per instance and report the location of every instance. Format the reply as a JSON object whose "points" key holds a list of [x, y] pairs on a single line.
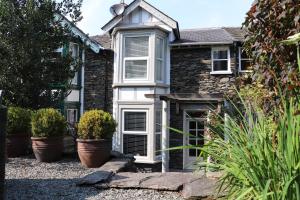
{"points": [[152, 75], [72, 105]]}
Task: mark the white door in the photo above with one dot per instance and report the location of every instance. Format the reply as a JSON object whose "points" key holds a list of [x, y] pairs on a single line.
{"points": [[195, 122]]}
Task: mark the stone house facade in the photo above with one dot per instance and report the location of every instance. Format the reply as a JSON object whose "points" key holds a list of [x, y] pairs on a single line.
{"points": [[151, 75]]}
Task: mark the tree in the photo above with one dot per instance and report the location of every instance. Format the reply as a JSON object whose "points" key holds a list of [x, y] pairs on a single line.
{"points": [[268, 23], [30, 35]]}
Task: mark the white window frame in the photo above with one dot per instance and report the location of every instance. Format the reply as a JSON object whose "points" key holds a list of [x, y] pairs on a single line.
{"points": [[76, 116], [146, 58], [228, 71], [135, 132], [158, 157], [240, 61], [160, 59]]}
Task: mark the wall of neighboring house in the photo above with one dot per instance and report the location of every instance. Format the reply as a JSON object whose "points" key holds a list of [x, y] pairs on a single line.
{"points": [[191, 73], [98, 93]]}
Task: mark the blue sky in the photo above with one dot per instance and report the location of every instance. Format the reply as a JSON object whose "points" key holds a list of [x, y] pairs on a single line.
{"points": [[189, 13]]}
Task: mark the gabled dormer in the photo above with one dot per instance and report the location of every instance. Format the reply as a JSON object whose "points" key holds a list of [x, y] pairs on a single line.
{"points": [[140, 38]]}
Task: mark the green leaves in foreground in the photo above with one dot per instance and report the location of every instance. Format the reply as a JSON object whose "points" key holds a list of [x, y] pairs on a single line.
{"points": [[259, 163]]}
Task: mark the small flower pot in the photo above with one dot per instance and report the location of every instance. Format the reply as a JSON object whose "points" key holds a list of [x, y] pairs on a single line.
{"points": [[17, 145], [47, 149], [94, 153]]}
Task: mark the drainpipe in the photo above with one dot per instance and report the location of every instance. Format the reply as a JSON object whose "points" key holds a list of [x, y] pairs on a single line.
{"points": [[82, 84], [165, 137]]}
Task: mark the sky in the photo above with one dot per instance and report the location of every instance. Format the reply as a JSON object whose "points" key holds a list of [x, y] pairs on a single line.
{"points": [[188, 13]]}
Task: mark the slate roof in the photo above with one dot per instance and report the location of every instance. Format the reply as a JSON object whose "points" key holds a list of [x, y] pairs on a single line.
{"points": [[103, 40], [224, 35]]}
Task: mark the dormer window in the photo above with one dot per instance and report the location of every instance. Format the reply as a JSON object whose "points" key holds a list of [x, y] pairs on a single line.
{"points": [[136, 58], [220, 59]]}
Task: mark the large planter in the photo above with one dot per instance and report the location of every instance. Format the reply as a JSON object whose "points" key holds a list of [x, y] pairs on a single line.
{"points": [[47, 149], [93, 153], [17, 145]]}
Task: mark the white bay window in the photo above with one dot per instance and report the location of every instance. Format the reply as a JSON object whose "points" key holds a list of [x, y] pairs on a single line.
{"points": [[136, 58], [159, 59]]}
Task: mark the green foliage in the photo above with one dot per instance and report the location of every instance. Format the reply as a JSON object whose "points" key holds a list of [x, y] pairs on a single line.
{"points": [[268, 23], [48, 123], [260, 158], [29, 36], [18, 121], [96, 124]]}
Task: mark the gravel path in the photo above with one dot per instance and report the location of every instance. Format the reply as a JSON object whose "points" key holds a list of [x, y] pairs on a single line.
{"points": [[28, 179]]}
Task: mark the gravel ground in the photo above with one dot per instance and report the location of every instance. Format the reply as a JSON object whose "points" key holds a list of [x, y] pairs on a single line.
{"points": [[28, 179]]}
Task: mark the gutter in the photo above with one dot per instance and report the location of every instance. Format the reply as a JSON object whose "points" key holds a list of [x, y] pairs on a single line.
{"points": [[199, 43]]}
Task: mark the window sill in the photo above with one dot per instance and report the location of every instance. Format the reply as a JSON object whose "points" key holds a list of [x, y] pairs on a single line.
{"points": [[220, 73], [145, 161], [245, 71]]}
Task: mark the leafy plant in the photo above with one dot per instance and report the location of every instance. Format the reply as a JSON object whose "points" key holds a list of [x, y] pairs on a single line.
{"points": [[259, 161], [33, 74], [96, 124], [48, 123], [18, 121], [268, 23]]}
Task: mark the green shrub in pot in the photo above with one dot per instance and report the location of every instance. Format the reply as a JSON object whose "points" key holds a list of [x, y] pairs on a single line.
{"points": [[18, 131], [48, 122], [18, 121], [95, 131], [48, 128], [96, 124]]}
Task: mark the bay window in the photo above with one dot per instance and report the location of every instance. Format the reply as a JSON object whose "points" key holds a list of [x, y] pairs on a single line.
{"points": [[220, 58], [136, 58], [158, 130], [244, 61]]}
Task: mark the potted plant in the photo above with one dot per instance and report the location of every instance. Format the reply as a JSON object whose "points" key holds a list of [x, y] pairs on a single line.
{"points": [[48, 128], [18, 131], [95, 131]]}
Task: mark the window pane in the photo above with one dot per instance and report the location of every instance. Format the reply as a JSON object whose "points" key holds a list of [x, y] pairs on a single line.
{"points": [[136, 46], [159, 48], [74, 50], [135, 69], [244, 55], [135, 121], [135, 144], [246, 65], [220, 54], [72, 116], [158, 144], [159, 68], [221, 65], [158, 121], [192, 125]]}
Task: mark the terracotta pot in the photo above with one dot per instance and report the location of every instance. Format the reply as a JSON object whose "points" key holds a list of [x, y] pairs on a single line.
{"points": [[17, 145], [93, 153], [47, 149]]}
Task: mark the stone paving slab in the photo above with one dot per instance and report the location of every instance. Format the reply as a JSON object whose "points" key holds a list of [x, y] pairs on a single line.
{"points": [[201, 188], [171, 181], [94, 178], [116, 165]]}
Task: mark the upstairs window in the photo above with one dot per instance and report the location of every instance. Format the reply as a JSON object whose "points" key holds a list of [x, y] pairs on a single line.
{"points": [[74, 52], [220, 60], [159, 59], [136, 58], [245, 61]]}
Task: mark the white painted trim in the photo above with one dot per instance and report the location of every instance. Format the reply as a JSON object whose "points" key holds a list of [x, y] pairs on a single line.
{"points": [[76, 114], [228, 71], [240, 61]]}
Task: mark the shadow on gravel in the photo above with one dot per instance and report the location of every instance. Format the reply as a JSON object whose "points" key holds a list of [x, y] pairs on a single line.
{"points": [[40, 189]]}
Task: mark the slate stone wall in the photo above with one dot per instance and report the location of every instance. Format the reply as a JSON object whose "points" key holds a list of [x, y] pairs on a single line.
{"points": [[190, 73], [98, 92]]}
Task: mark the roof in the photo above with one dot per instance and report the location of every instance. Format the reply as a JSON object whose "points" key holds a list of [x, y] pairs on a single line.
{"points": [[93, 45], [202, 36], [103, 40], [149, 8]]}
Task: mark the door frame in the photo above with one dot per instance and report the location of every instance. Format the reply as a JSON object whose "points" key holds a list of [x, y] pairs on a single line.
{"points": [[186, 164]]}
